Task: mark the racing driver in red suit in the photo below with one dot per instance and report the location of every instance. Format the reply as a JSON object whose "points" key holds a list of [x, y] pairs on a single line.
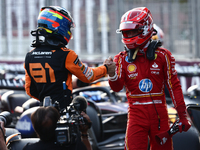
{"points": [[144, 68]]}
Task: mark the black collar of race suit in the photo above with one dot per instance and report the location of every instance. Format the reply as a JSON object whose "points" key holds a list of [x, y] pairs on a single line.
{"points": [[152, 48], [150, 53]]}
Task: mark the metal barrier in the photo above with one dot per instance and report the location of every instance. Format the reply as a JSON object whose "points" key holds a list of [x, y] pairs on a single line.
{"points": [[96, 22]]}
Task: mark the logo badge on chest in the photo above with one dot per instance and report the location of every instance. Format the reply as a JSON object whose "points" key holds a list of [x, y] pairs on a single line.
{"points": [[145, 85], [131, 68]]}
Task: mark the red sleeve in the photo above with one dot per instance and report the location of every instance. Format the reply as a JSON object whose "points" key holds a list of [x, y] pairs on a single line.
{"points": [[81, 71], [172, 81], [117, 82]]}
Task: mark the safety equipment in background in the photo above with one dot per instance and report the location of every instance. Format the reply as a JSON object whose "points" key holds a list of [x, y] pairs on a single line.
{"points": [[57, 21], [160, 34], [137, 19]]}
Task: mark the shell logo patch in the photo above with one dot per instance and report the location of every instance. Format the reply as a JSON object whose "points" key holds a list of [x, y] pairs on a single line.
{"points": [[131, 68]]}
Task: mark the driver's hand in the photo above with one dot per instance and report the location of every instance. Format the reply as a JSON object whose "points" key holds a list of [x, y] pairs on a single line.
{"points": [[184, 123], [84, 127], [3, 128], [2, 139]]}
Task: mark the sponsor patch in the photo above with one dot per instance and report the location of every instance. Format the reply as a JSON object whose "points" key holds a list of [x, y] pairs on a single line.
{"points": [[79, 63], [133, 76], [83, 67], [41, 53], [155, 72], [90, 74], [76, 61], [85, 70], [155, 56], [155, 65], [145, 85], [127, 59], [131, 68]]}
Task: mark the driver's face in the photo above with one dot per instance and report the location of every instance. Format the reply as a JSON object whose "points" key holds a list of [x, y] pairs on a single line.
{"points": [[131, 33]]}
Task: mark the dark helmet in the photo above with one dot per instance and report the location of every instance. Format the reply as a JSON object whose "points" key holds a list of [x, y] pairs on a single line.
{"points": [[56, 21]]}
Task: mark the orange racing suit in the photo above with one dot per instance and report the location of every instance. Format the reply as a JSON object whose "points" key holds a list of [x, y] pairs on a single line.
{"points": [[47, 67], [145, 81]]}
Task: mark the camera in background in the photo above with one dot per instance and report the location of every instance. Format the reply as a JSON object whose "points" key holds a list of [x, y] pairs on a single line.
{"points": [[67, 130]]}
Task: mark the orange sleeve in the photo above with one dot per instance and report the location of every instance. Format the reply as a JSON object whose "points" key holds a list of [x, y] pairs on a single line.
{"points": [[81, 71], [28, 84]]}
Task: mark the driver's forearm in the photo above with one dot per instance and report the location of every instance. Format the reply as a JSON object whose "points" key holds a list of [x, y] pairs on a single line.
{"points": [[86, 141], [2, 145]]}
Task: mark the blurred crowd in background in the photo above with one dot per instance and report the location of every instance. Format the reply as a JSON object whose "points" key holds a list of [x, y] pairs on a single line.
{"points": [[96, 22]]}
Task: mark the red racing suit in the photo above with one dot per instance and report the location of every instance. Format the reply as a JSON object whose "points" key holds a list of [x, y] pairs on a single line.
{"points": [[145, 81], [46, 67]]}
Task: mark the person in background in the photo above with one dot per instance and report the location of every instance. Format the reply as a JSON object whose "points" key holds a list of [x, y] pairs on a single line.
{"points": [[2, 139], [50, 65], [144, 68], [159, 35], [44, 121]]}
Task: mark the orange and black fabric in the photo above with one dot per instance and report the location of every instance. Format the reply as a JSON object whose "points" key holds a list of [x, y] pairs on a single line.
{"points": [[47, 67]]}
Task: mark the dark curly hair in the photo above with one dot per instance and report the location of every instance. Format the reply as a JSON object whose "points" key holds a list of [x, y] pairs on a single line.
{"points": [[44, 121]]}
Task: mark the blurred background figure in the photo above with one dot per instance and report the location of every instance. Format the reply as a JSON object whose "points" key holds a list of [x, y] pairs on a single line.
{"points": [[160, 34]]}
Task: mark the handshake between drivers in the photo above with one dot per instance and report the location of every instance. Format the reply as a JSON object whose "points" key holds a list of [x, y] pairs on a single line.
{"points": [[110, 66]]}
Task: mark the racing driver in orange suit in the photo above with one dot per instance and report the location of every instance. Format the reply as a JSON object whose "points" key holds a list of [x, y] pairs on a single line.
{"points": [[50, 65], [144, 68]]}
